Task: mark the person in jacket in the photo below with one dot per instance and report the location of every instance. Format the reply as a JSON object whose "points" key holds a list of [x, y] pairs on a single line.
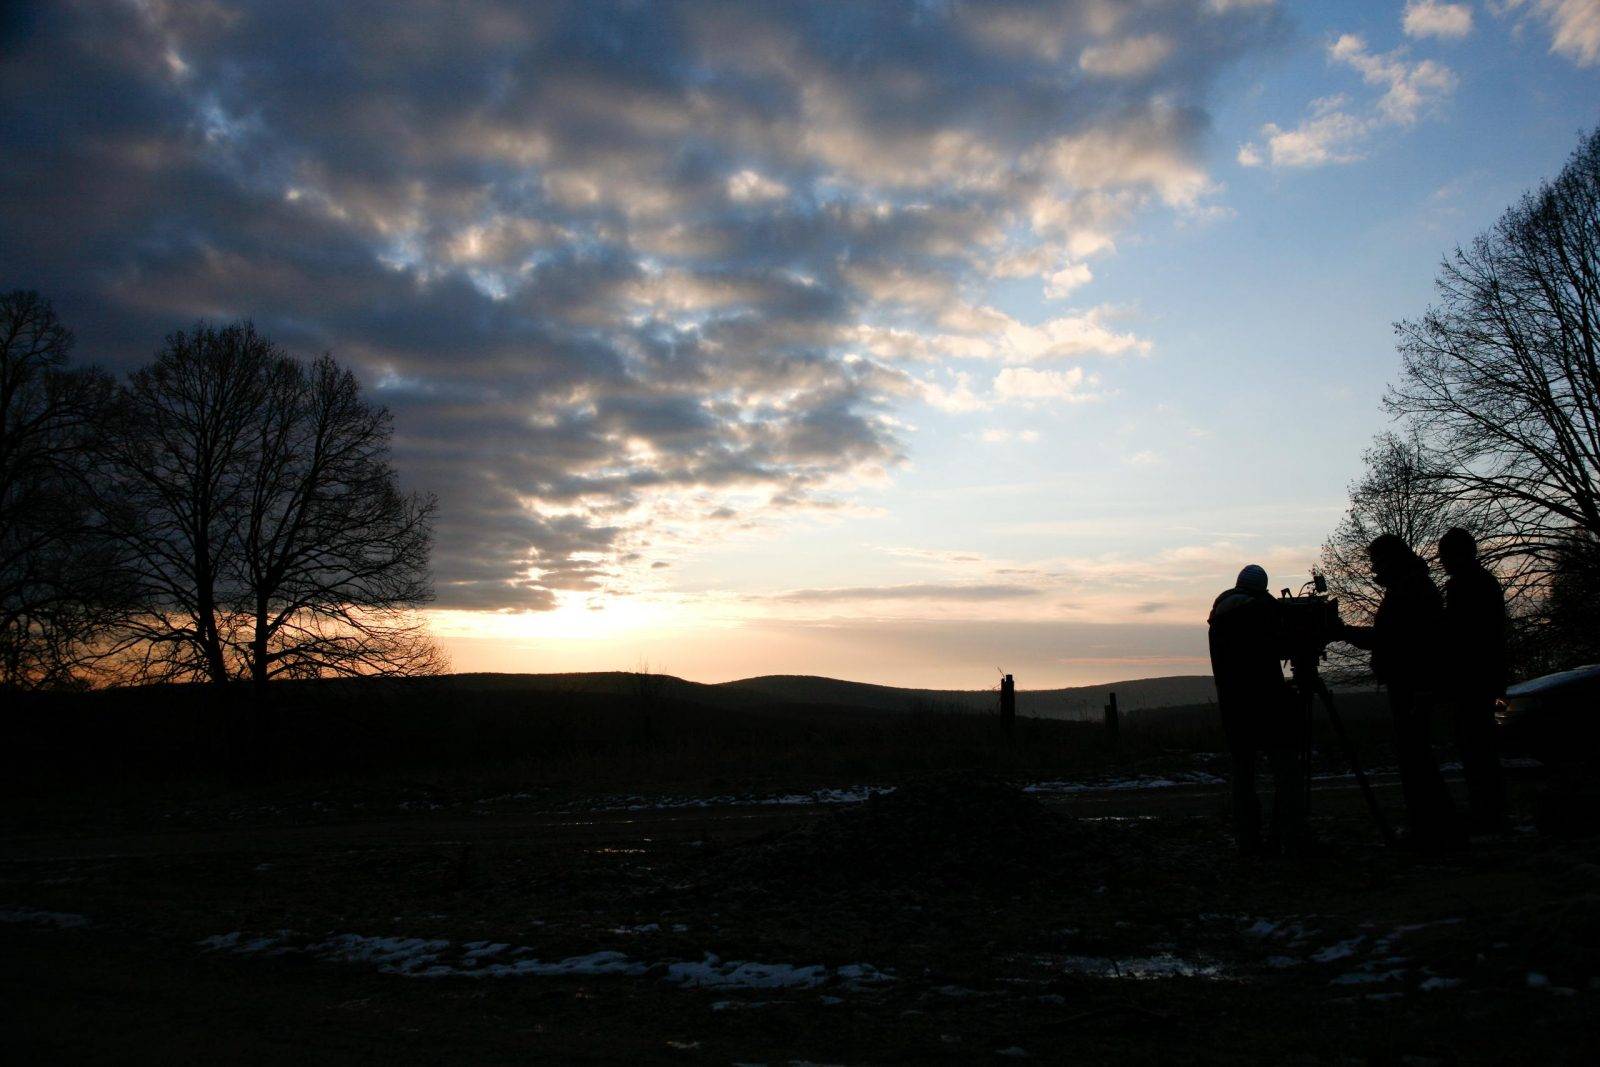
{"points": [[1257, 712], [1406, 642], [1475, 648]]}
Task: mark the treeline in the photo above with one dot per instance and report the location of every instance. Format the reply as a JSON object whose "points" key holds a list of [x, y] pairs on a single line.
{"points": [[1498, 412], [226, 513]]}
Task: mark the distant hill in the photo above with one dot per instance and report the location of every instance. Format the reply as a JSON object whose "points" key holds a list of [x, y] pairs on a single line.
{"points": [[522, 730], [1073, 703], [1081, 702]]}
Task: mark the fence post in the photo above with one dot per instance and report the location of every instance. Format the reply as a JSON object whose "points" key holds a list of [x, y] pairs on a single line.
{"points": [[1112, 724], [1008, 704]]}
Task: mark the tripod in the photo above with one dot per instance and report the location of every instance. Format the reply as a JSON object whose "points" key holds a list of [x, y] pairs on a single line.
{"points": [[1308, 686]]}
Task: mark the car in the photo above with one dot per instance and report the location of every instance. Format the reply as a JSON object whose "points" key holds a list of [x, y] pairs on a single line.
{"points": [[1554, 718]]}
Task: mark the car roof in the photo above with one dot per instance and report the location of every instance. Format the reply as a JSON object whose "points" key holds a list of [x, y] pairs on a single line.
{"points": [[1555, 681]]}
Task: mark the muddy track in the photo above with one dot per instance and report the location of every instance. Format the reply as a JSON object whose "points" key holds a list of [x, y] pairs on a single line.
{"points": [[572, 933]]}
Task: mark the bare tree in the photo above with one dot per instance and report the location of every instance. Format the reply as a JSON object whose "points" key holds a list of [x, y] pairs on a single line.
{"points": [[1571, 619], [1501, 379], [58, 580], [176, 457], [334, 555], [270, 537]]}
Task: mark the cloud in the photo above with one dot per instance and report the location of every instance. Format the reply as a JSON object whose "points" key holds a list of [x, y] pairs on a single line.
{"points": [[997, 436], [1130, 57], [747, 185], [1428, 18], [1329, 135], [911, 591], [1222, 7], [1070, 336], [1574, 26], [1029, 385], [1336, 131], [1068, 278], [956, 398], [1408, 88], [627, 275]]}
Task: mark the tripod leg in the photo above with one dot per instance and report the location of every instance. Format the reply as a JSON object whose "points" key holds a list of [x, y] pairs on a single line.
{"points": [[1367, 794], [1308, 710]]}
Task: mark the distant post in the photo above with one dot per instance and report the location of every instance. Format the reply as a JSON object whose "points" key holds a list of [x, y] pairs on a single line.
{"points": [[1112, 725], [1008, 704]]}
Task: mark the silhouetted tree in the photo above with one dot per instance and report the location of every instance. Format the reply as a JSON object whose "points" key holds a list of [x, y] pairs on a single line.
{"points": [[1572, 613], [1500, 380], [255, 496], [59, 581], [334, 554]]}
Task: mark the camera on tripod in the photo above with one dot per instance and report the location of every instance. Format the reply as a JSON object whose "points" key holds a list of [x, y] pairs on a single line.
{"points": [[1309, 623]]}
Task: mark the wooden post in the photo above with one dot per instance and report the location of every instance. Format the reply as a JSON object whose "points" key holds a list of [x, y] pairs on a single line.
{"points": [[1008, 704], [1112, 725]]}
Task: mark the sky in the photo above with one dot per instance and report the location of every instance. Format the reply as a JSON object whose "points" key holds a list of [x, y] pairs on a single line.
{"points": [[901, 342]]}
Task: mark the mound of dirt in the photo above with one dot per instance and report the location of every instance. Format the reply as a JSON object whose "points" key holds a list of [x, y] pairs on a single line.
{"points": [[949, 831]]}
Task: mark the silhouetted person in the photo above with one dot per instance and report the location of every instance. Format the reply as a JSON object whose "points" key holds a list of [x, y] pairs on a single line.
{"points": [[1257, 713], [1406, 639], [1475, 635]]}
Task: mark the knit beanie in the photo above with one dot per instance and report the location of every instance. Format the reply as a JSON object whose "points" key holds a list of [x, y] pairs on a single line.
{"points": [[1253, 577]]}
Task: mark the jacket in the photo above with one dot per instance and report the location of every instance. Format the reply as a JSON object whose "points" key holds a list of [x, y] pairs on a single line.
{"points": [[1244, 636], [1407, 633], [1475, 630]]}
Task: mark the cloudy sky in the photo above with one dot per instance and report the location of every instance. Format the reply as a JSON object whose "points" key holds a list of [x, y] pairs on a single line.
{"points": [[890, 341]]}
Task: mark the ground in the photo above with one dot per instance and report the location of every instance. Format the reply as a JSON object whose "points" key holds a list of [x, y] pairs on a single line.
{"points": [[961, 918]]}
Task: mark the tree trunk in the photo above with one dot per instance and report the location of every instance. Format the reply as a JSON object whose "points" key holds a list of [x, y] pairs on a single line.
{"points": [[258, 647]]}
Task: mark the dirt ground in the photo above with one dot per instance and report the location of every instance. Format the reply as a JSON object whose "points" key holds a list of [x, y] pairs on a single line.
{"points": [[955, 920]]}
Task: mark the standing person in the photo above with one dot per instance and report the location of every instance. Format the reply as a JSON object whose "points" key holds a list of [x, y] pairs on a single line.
{"points": [[1475, 646], [1256, 712], [1405, 639]]}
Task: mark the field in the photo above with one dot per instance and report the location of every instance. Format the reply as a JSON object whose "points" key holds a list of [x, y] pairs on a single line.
{"points": [[646, 879]]}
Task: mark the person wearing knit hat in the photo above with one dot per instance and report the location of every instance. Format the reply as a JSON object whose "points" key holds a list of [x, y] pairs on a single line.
{"points": [[1253, 577], [1257, 713]]}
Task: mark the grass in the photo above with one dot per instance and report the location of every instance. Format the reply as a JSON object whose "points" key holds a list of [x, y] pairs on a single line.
{"points": [[634, 731]]}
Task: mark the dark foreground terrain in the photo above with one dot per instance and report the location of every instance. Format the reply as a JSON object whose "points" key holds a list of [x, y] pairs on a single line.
{"points": [[1096, 917]]}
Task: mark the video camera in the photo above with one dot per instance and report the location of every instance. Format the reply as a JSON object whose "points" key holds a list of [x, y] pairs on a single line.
{"points": [[1309, 622]]}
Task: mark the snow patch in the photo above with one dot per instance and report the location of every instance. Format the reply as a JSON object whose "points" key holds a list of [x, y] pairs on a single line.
{"points": [[1367, 977], [397, 955], [1181, 778], [1161, 965], [712, 973], [853, 795], [417, 957], [61, 920], [1338, 951], [595, 964]]}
